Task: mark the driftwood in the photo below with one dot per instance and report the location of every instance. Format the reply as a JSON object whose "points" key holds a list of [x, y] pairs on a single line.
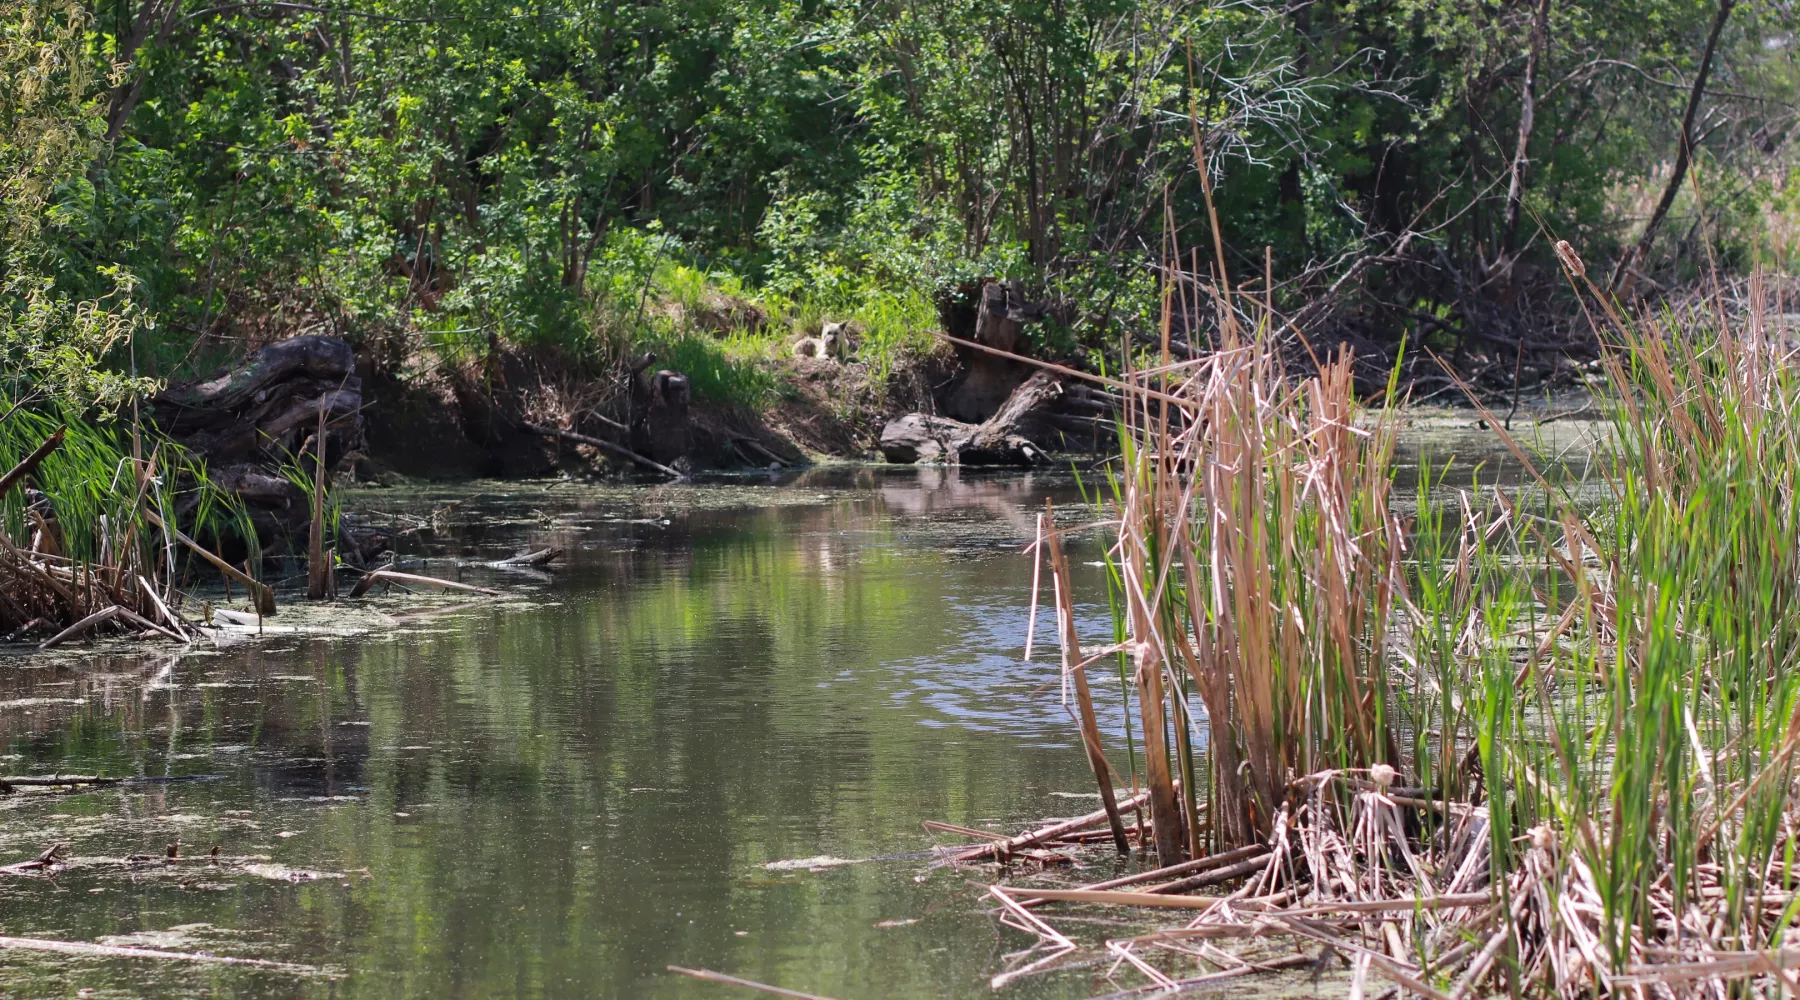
{"points": [[1006, 438], [54, 780], [49, 859], [604, 445], [393, 576], [89, 950], [541, 557]]}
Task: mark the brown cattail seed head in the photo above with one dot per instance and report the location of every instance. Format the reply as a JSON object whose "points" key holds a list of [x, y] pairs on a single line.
{"points": [[1570, 259], [1383, 775]]}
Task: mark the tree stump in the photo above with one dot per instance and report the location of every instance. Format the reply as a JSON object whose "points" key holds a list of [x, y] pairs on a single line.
{"points": [[1006, 438], [248, 420], [660, 427], [999, 314]]}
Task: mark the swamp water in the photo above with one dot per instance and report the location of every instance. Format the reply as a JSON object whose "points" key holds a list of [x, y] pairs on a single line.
{"points": [[562, 792]]}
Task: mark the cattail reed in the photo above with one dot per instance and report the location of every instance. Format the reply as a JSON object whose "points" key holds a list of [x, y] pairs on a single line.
{"points": [[1540, 739]]}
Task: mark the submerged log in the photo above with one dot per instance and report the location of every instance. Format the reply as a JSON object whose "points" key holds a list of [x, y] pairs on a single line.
{"points": [[541, 557]]}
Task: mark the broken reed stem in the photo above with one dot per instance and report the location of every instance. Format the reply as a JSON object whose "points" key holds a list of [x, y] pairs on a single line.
{"points": [[373, 577], [1001, 848], [264, 597]]}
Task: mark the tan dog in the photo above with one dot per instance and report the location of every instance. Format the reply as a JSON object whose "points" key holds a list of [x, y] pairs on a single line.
{"points": [[828, 344]]}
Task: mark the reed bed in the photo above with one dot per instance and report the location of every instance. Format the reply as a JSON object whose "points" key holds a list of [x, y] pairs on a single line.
{"points": [[1538, 741], [90, 529]]}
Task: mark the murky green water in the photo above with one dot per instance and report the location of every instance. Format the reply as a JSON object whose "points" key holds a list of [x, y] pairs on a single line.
{"points": [[561, 794]]}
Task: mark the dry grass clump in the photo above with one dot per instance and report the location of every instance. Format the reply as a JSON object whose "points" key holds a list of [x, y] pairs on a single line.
{"points": [[1517, 741]]}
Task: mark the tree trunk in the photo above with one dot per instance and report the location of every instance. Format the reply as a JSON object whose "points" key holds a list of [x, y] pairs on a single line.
{"points": [[1683, 155], [999, 314], [153, 22], [1515, 187]]}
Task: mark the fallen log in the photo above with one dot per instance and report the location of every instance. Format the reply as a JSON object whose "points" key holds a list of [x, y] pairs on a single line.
{"points": [[49, 859], [1007, 438], [248, 420], [918, 438]]}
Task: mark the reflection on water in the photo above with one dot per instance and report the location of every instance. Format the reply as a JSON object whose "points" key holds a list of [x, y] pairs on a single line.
{"points": [[561, 795]]}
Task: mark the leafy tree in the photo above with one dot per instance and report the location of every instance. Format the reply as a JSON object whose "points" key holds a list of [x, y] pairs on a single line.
{"points": [[53, 333]]}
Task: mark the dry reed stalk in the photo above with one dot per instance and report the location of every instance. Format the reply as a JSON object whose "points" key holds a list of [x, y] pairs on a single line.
{"points": [[318, 571], [1622, 684], [1001, 848], [264, 596], [373, 577], [1077, 674]]}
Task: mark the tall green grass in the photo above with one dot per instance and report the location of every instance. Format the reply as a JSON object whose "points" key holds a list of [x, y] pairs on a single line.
{"points": [[1668, 702], [86, 519]]}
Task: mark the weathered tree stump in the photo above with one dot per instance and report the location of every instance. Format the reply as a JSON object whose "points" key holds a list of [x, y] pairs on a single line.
{"points": [[1007, 438], [996, 321], [249, 420], [660, 425]]}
